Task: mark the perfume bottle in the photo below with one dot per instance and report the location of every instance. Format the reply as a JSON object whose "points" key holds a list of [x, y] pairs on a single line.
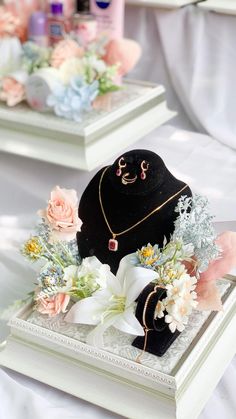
{"points": [[84, 24], [57, 23], [37, 29]]}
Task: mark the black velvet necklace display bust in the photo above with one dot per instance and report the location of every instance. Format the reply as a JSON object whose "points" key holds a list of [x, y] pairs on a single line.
{"points": [[124, 205]]}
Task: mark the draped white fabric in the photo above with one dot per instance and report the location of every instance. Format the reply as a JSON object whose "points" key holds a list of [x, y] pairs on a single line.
{"points": [[192, 53]]}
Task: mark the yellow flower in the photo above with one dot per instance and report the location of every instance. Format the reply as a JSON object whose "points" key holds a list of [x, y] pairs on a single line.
{"points": [[172, 274], [32, 248], [147, 251], [150, 261]]}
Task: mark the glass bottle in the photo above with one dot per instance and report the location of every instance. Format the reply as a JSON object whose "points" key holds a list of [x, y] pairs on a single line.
{"points": [[57, 23]]}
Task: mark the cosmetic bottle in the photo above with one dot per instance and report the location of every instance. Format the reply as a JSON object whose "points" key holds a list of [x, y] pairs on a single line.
{"points": [[82, 6], [57, 23], [37, 29], [110, 17], [84, 24], [69, 8], [39, 86]]}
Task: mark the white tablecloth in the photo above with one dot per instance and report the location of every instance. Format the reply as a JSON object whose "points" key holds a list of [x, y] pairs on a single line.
{"points": [[189, 52]]}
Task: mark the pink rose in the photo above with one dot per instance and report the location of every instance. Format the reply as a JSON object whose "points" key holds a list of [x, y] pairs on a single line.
{"points": [[61, 214], [124, 52], [53, 305], [12, 92], [65, 50]]}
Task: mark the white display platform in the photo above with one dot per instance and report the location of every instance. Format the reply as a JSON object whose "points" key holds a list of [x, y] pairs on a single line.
{"points": [[176, 385], [220, 6], [136, 110], [166, 4]]}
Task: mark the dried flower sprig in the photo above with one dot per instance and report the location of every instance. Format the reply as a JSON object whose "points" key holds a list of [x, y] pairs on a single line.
{"points": [[194, 226]]}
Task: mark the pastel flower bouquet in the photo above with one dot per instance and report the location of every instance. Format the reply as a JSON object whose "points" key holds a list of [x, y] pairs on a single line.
{"points": [[87, 292], [76, 77]]}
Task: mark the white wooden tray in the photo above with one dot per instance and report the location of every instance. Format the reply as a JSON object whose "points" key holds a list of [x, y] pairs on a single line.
{"points": [[135, 111], [220, 6], [176, 385], [166, 4]]}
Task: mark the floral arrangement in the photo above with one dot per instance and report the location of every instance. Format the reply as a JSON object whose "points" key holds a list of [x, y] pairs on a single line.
{"points": [[86, 290], [77, 78]]}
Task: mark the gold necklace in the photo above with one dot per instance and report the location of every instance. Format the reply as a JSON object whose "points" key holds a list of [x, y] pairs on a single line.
{"points": [[113, 243]]}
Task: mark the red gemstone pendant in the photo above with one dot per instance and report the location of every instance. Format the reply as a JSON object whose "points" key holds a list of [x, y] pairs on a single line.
{"points": [[113, 245]]}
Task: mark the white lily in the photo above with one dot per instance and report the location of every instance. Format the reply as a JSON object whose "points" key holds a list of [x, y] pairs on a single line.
{"points": [[92, 267], [90, 276], [114, 305]]}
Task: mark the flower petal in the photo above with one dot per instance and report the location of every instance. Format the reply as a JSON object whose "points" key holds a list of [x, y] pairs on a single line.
{"points": [[87, 311], [136, 279], [93, 262], [208, 296], [95, 338], [125, 264], [128, 323], [172, 327], [113, 285], [219, 267]]}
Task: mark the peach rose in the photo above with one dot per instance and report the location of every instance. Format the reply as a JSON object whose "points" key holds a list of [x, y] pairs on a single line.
{"points": [[124, 52], [12, 92], [64, 50], [61, 214], [11, 24], [53, 305]]}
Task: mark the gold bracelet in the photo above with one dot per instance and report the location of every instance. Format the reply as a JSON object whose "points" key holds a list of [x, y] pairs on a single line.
{"points": [[146, 328]]}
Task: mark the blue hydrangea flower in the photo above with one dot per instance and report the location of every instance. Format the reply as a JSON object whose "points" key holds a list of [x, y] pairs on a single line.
{"points": [[72, 101]]}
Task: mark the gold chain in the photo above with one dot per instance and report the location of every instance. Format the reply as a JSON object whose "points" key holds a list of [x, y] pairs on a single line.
{"points": [[140, 221], [145, 327]]}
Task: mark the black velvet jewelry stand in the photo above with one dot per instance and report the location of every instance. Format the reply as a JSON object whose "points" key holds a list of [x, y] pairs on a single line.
{"points": [[158, 336], [124, 205]]}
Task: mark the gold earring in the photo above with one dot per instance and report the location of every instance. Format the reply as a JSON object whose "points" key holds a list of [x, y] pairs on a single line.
{"points": [[121, 165], [144, 167]]}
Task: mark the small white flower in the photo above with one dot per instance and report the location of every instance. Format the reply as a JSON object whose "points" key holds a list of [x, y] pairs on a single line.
{"points": [[184, 284], [159, 311], [190, 298], [175, 324], [180, 301]]}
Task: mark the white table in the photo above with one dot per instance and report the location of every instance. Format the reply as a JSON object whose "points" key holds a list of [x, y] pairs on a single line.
{"points": [[219, 6]]}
